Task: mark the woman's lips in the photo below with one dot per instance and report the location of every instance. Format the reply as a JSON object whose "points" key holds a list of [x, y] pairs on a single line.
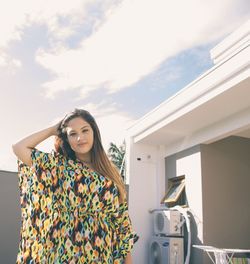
{"points": [[81, 144]]}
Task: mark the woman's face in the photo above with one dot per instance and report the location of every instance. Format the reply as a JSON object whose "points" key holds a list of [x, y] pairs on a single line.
{"points": [[80, 136]]}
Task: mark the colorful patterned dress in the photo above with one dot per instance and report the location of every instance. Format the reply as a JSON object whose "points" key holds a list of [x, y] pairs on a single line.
{"points": [[70, 214]]}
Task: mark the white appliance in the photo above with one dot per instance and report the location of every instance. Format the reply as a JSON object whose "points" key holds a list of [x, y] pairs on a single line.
{"points": [[166, 250], [168, 222]]}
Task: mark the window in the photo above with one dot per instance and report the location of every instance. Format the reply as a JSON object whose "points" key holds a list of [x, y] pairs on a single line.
{"points": [[175, 194]]}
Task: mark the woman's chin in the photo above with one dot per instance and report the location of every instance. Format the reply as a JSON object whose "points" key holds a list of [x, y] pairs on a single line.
{"points": [[81, 152]]}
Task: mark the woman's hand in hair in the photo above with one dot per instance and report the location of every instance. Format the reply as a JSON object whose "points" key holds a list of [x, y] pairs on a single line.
{"points": [[55, 128]]}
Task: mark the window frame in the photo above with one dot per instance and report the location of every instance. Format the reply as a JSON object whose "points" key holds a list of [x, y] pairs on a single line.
{"points": [[175, 189]]}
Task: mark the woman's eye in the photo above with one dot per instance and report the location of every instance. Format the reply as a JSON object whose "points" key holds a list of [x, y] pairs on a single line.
{"points": [[72, 134], [85, 130]]}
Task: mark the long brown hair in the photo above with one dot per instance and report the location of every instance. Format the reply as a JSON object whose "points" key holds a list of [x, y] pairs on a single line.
{"points": [[100, 161]]}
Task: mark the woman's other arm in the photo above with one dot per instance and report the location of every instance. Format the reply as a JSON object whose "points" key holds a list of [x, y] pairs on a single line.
{"points": [[22, 148], [128, 259]]}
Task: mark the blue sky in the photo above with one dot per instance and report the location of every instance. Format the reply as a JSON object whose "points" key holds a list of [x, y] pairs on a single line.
{"points": [[118, 59]]}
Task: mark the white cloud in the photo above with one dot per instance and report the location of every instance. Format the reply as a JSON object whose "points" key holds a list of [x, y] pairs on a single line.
{"points": [[16, 15], [136, 37], [128, 42], [9, 63], [61, 17]]}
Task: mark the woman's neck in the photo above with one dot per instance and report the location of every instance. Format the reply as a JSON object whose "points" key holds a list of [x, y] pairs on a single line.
{"points": [[84, 158]]}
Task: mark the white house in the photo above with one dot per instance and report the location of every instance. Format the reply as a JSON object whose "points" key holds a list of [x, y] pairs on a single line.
{"points": [[202, 132]]}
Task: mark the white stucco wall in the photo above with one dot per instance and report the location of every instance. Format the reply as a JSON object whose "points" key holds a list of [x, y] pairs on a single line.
{"points": [[190, 166], [188, 163], [145, 192]]}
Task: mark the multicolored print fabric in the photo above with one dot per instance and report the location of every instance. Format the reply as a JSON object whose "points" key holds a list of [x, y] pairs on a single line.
{"points": [[70, 214]]}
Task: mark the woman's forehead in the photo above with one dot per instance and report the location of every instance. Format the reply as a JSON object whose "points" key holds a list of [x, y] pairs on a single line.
{"points": [[77, 122]]}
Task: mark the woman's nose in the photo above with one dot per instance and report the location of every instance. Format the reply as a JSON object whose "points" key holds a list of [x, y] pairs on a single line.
{"points": [[79, 137]]}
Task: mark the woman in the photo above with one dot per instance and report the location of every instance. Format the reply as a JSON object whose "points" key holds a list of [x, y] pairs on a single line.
{"points": [[73, 200]]}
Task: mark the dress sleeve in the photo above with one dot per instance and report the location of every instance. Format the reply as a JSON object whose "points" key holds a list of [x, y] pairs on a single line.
{"points": [[43, 160], [126, 236], [44, 166]]}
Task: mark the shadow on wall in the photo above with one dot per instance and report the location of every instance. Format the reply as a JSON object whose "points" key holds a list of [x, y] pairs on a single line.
{"points": [[10, 216], [196, 254]]}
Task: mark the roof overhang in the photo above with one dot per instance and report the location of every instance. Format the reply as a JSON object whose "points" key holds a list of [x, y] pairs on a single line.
{"points": [[213, 106]]}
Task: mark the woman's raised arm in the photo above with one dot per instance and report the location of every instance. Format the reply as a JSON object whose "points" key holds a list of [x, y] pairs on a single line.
{"points": [[22, 148]]}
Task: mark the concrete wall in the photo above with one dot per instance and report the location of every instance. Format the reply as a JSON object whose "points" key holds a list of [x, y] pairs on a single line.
{"points": [[188, 163], [10, 216], [226, 192]]}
